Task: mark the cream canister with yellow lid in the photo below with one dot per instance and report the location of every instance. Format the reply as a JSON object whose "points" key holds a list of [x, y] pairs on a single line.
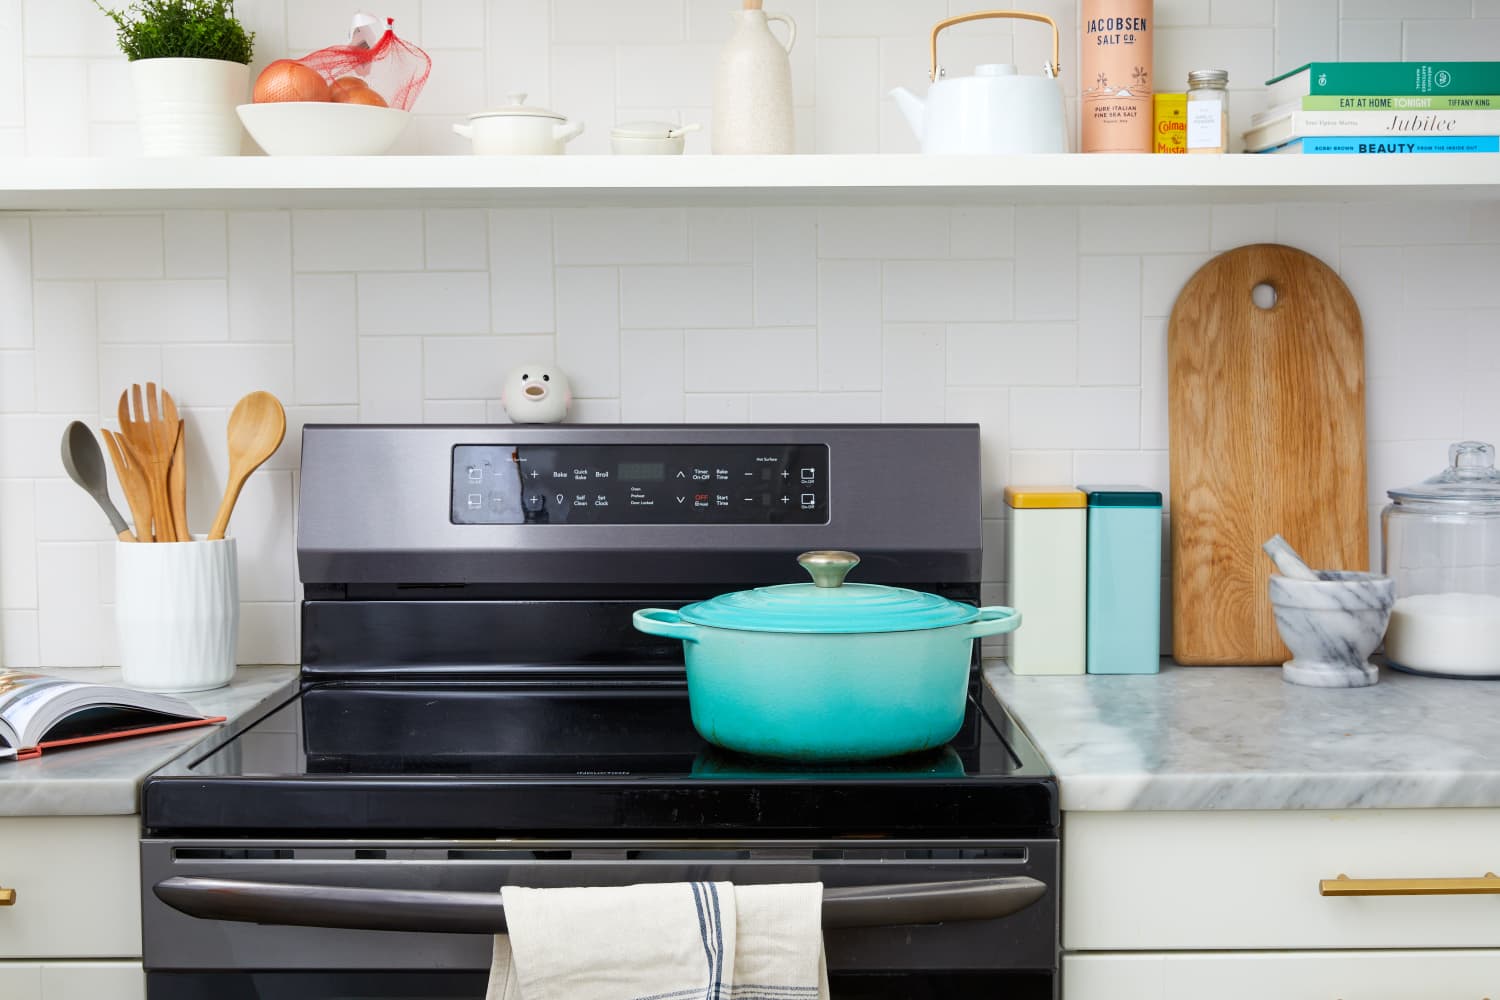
{"points": [[1047, 567]]}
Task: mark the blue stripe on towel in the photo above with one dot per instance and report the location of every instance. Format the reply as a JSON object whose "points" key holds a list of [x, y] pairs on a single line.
{"points": [[718, 983], [708, 953], [765, 988]]}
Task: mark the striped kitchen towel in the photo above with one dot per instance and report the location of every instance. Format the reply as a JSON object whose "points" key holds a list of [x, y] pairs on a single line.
{"points": [[665, 941]]}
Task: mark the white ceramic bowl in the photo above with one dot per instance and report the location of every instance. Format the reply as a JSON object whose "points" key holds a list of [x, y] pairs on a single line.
{"points": [[317, 128]]}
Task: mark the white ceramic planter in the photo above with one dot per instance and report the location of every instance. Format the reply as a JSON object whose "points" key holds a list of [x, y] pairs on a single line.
{"points": [[177, 613], [186, 107]]}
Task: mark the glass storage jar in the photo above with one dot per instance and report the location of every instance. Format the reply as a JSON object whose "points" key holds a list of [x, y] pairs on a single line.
{"points": [[1441, 544]]}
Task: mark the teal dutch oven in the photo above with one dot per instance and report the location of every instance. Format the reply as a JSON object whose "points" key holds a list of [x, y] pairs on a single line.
{"points": [[827, 670]]}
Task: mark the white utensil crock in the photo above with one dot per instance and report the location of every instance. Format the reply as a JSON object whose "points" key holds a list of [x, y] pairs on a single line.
{"points": [[185, 107], [177, 613]]}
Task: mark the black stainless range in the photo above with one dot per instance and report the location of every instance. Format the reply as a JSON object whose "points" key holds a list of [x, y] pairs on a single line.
{"points": [[474, 709]]}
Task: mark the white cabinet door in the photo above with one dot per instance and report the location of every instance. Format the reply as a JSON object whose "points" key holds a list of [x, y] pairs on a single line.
{"points": [[1348, 975], [77, 882], [20, 981], [1208, 881], [93, 981]]}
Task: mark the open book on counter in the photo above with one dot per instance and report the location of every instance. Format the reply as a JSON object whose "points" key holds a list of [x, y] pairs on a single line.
{"points": [[43, 712]]}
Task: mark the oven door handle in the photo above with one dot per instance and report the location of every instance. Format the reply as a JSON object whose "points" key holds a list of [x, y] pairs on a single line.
{"points": [[354, 908]]}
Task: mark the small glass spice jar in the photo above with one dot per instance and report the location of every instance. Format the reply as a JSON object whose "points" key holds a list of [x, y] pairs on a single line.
{"points": [[1208, 111]]}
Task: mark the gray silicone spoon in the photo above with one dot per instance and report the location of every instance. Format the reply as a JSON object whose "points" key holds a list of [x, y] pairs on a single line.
{"points": [[1287, 560], [85, 464]]}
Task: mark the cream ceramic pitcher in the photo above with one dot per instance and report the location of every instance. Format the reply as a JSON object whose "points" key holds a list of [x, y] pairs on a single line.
{"points": [[753, 86]]}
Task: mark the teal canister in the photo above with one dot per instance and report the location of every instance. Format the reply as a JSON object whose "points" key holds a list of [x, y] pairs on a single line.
{"points": [[1124, 580]]}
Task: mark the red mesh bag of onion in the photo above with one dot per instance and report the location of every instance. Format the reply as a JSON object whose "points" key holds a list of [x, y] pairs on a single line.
{"points": [[381, 70]]}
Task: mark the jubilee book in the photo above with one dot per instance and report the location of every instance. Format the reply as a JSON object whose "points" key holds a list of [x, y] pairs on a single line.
{"points": [[41, 712]]}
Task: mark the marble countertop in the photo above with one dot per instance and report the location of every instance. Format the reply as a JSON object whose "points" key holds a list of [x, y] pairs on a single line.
{"points": [[105, 779], [1240, 738]]}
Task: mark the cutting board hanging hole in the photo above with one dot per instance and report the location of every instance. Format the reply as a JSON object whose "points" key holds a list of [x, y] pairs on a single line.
{"points": [[1263, 295]]}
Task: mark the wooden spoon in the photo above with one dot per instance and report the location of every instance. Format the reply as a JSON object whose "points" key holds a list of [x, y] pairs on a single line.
{"points": [[84, 463], [177, 472], [256, 428], [133, 482]]}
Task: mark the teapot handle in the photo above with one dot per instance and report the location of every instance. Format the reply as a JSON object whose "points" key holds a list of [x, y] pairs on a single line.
{"points": [[791, 29], [1050, 70]]}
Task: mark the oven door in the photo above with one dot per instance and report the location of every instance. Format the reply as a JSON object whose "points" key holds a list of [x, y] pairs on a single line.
{"points": [[244, 920]]}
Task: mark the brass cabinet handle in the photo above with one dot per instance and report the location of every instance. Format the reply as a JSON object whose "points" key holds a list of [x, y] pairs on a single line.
{"points": [[7, 897], [1488, 884]]}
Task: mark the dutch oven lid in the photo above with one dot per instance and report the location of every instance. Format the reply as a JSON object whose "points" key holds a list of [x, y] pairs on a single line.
{"points": [[1471, 477], [828, 605], [517, 108]]}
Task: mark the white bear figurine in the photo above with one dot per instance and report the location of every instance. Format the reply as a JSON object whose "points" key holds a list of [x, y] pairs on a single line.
{"points": [[536, 394]]}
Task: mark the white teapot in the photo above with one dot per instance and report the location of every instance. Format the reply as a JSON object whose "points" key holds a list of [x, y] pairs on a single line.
{"points": [[996, 110]]}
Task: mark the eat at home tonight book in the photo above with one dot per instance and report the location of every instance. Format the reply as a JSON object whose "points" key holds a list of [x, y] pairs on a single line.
{"points": [[42, 711]]}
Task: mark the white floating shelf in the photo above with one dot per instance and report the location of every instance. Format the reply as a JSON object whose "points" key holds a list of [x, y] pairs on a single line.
{"points": [[397, 181]]}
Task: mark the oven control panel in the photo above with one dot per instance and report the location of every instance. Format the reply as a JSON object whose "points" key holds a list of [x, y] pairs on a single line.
{"points": [[640, 484]]}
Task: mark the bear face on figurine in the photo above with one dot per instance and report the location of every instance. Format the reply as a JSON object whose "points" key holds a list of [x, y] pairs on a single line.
{"points": [[536, 394]]}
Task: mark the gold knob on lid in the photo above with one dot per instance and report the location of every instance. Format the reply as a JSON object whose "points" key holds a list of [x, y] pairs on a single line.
{"points": [[828, 567], [7, 897]]}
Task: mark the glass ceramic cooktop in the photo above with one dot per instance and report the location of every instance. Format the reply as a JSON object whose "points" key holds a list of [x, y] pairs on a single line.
{"points": [[507, 757]]}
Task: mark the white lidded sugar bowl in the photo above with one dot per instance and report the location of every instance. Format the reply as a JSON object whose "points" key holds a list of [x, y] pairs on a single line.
{"points": [[1441, 545]]}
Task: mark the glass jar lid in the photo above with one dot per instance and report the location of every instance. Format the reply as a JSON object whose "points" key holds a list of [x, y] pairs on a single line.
{"points": [[1471, 477], [828, 605], [1214, 79]]}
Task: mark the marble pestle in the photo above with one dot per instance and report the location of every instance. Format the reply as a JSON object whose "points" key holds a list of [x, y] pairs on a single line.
{"points": [[1287, 560]]}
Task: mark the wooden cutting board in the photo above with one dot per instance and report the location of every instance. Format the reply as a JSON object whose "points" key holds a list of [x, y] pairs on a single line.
{"points": [[1267, 415]]}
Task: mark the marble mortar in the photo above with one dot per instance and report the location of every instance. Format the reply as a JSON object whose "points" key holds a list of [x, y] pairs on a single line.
{"points": [[1332, 625]]}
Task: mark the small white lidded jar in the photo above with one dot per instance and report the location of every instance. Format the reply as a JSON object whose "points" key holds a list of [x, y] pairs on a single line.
{"points": [[649, 138]]}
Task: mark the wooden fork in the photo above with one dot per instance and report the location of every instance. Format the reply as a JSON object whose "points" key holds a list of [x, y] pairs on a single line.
{"points": [[133, 482], [153, 440]]}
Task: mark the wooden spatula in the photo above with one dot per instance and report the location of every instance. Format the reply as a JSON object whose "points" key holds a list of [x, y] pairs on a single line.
{"points": [[177, 472], [256, 428]]}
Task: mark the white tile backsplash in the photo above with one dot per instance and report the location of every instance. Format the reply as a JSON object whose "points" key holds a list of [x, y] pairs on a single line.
{"points": [[357, 240], [785, 255], [1045, 323], [168, 310], [260, 276], [423, 302], [196, 243], [975, 291], [689, 295], [849, 350]]}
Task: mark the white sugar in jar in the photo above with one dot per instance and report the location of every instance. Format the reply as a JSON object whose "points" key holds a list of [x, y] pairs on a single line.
{"points": [[1456, 634]]}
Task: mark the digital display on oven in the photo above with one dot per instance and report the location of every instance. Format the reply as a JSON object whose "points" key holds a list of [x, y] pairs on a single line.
{"points": [[643, 472], [640, 484]]}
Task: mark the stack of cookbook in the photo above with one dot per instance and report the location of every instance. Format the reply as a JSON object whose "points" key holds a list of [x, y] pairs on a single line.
{"points": [[1380, 108]]}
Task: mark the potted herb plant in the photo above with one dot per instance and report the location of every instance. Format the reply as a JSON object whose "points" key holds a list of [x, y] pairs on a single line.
{"points": [[190, 67]]}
